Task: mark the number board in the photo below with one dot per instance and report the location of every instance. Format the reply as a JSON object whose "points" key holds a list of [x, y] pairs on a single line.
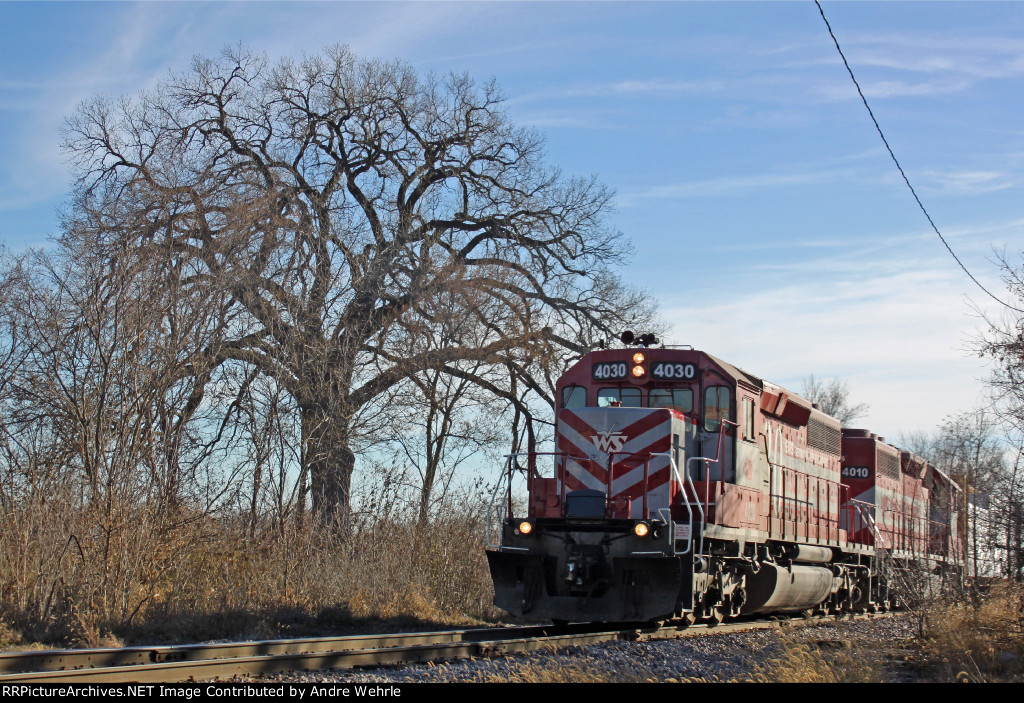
{"points": [[609, 371], [856, 472], [684, 372]]}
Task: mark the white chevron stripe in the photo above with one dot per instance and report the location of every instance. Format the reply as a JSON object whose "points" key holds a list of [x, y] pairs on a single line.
{"points": [[624, 482], [633, 444], [588, 479], [583, 445], [636, 475]]}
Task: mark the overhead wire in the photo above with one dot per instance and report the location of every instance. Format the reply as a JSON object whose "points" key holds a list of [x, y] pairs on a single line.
{"points": [[900, 168]]}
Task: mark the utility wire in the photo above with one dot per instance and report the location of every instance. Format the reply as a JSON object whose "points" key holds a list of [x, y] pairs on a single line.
{"points": [[900, 168]]}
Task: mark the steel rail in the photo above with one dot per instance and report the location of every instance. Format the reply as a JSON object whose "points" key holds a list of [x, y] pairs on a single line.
{"points": [[238, 659], [68, 659]]}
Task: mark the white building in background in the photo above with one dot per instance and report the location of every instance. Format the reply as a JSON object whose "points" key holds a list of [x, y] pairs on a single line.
{"points": [[986, 540]]}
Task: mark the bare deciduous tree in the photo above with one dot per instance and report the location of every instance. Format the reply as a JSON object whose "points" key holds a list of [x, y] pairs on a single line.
{"points": [[1003, 344], [99, 436], [448, 421], [833, 397], [969, 448], [105, 346], [327, 206]]}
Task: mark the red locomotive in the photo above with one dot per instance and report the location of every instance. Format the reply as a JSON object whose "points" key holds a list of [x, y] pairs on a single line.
{"points": [[684, 487]]}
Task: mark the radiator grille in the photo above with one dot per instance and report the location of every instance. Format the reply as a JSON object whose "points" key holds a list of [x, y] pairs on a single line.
{"points": [[888, 465], [823, 436]]}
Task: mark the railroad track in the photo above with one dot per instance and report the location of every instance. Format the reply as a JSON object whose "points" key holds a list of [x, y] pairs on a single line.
{"points": [[170, 664]]}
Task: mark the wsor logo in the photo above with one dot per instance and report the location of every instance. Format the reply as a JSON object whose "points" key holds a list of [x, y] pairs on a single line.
{"points": [[608, 441]]}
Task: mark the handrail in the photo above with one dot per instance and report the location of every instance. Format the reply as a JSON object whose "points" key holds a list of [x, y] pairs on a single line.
{"points": [[562, 474], [505, 475], [707, 479], [862, 508], [696, 498], [647, 468], [717, 459], [689, 510], [853, 507], [806, 478], [912, 521], [646, 457]]}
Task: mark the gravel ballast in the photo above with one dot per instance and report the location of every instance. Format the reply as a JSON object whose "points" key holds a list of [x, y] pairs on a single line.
{"points": [[712, 657]]}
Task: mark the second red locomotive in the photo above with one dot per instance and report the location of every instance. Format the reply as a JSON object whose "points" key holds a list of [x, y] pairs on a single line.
{"points": [[684, 487]]}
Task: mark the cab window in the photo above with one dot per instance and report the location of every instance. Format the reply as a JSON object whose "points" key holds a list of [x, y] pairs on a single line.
{"points": [[627, 397], [574, 397], [716, 407], [680, 399]]}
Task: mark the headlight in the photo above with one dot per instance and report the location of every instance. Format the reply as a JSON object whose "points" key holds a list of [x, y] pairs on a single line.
{"points": [[639, 358], [641, 529], [525, 527]]}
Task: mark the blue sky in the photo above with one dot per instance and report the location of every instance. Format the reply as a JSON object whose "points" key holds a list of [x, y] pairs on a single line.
{"points": [[766, 215]]}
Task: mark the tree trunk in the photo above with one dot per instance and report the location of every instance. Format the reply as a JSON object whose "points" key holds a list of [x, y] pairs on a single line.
{"points": [[330, 460]]}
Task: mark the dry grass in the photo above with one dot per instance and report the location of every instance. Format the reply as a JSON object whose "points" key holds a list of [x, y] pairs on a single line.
{"points": [[980, 641], [107, 575], [76, 577], [971, 640], [802, 661]]}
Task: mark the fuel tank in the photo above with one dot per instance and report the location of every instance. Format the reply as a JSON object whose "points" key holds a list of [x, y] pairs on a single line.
{"points": [[774, 588]]}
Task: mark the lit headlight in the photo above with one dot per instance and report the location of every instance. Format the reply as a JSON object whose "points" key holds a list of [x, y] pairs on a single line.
{"points": [[641, 529], [639, 358], [525, 527]]}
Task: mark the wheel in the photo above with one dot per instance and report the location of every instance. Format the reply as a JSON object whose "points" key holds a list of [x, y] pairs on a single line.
{"points": [[716, 616]]}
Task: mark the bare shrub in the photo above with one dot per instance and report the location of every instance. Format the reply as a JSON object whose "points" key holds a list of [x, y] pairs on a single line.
{"points": [[71, 583], [980, 641]]}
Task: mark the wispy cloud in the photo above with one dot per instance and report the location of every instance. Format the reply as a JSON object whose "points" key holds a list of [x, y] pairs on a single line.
{"points": [[746, 117], [953, 63], [34, 171], [658, 87], [732, 185], [977, 56], [655, 87], [892, 89], [889, 330], [971, 182], [565, 120]]}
